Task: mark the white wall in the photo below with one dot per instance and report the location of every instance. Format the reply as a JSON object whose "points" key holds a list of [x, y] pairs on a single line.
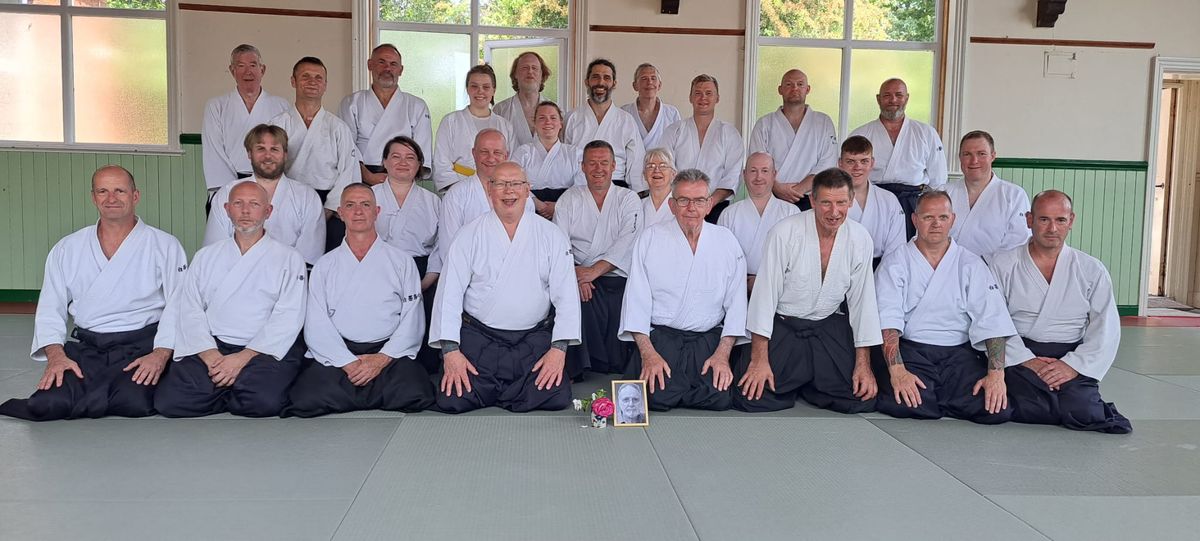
{"points": [[1102, 114], [206, 38], [678, 57]]}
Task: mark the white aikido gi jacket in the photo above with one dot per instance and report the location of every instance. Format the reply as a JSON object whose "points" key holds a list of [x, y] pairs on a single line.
{"points": [[600, 233], [296, 218], [917, 157], [413, 228], [322, 155], [751, 229], [720, 156], [958, 302], [455, 139], [789, 278], [798, 153], [619, 129], [125, 293], [673, 287], [652, 216], [254, 299], [559, 168], [226, 123], [373, 125], [376, 299], [512, 111], [997, 221], [1077, 304], [507, 284], [883, 218], [652, 138]]}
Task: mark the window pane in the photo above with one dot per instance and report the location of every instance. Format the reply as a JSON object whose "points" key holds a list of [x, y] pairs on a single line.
{"points": [[823, 67], [802, 19], [120, 69], [33, 2], [524, 13], [895, 20], [500, 53], [441, 82], [30, 78], [870, 68], [426, 11], [121, 4]]}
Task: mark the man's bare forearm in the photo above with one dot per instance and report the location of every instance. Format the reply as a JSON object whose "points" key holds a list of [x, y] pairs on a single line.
{"points": [[891, 347], [995, 352]]}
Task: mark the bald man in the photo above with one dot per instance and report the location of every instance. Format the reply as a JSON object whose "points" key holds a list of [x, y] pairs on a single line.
{"points": [[1062, 304], [909, 155], [113, 279], [507, 307], [802, 141], [239, 313]]}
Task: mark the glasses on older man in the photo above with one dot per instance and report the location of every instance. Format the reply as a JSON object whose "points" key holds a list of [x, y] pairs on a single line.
{"points": [[687, 202], [504, 185]]}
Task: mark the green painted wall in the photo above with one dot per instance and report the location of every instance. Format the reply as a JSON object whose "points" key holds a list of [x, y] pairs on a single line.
{"points": [[45, 195], [1110, 199]]}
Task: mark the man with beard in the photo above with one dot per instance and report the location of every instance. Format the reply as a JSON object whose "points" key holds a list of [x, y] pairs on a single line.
{"points": [[227, 118], [704, 142], [297, 220], [652, 113], [908, 154], [802, 141], [379, 113], [601, 220], [528, 76], [113, 279], [598, 119], [239, 311]]}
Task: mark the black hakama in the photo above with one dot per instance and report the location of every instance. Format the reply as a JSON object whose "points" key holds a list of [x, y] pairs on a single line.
{"points": [[105, 388], [685, 352], [335, 228], [601, 351], [505, 360], [1076, 404], [403, 385], [812, 359], [549, 195], [427, 356], [949, 374], [260, 389], [715, 211], [907, 195]]}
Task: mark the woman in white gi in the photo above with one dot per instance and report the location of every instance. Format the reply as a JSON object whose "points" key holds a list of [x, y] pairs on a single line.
{"points": [[452, 160], [658, 173], [408, 220], [552, 165]]}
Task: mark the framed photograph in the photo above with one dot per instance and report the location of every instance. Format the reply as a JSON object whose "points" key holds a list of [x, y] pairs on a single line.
{"points": [[629, 395]]}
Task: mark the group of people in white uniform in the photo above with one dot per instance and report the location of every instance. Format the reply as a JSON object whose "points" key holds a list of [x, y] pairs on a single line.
{"points": [[851, 276]]}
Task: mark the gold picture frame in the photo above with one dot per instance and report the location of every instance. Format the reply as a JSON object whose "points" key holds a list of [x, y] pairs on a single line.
{"points": [[621, 417]]}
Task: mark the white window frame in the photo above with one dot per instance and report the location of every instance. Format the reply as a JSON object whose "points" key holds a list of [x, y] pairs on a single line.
{"points": [[846, 44], [66, 13], [542, 35]]}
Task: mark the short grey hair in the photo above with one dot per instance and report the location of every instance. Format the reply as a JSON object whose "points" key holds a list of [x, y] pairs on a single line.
{"points": [[661, 153], [690, 175], [244, 48]]}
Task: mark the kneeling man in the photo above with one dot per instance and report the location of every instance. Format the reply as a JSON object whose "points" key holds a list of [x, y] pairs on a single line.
{"points": [[938, 305], [685, 303], [504, 273], [812, 314], [1061, 302], [114, 279], [363, 323], [239, 310]]}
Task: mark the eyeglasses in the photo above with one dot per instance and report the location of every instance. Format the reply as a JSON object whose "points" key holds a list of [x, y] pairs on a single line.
{"points": [[504, 185], [657, 166], [686, 202]]}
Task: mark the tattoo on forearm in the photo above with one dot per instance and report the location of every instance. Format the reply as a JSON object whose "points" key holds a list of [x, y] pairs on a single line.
{"points": [[891, 347], [995, 353]]}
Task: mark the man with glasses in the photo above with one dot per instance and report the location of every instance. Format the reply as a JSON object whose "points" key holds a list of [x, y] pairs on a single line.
{"points": [[506, 308], [685, 303], [812, 314], [601, 220]]}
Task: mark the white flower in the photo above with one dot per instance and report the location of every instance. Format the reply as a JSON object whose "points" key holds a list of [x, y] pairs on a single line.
{"points": [[578, 404]]}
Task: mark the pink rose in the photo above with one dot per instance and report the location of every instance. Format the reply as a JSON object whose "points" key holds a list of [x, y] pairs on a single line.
{"points": [[603, 407]]}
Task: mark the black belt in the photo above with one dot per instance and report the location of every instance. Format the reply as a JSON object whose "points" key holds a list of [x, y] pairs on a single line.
{"points": [[106, 340], [375, 168], [241, 175], [902, 187]]}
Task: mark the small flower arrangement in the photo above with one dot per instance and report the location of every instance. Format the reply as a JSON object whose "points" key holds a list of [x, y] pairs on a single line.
{"points": [[599, 406]]}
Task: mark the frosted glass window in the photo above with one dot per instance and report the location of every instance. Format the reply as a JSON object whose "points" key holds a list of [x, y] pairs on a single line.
{"points": [[435, 68], [822, 66], [31, 107], [120, 68], [869, 68], [502, 50], [524, 13]]}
